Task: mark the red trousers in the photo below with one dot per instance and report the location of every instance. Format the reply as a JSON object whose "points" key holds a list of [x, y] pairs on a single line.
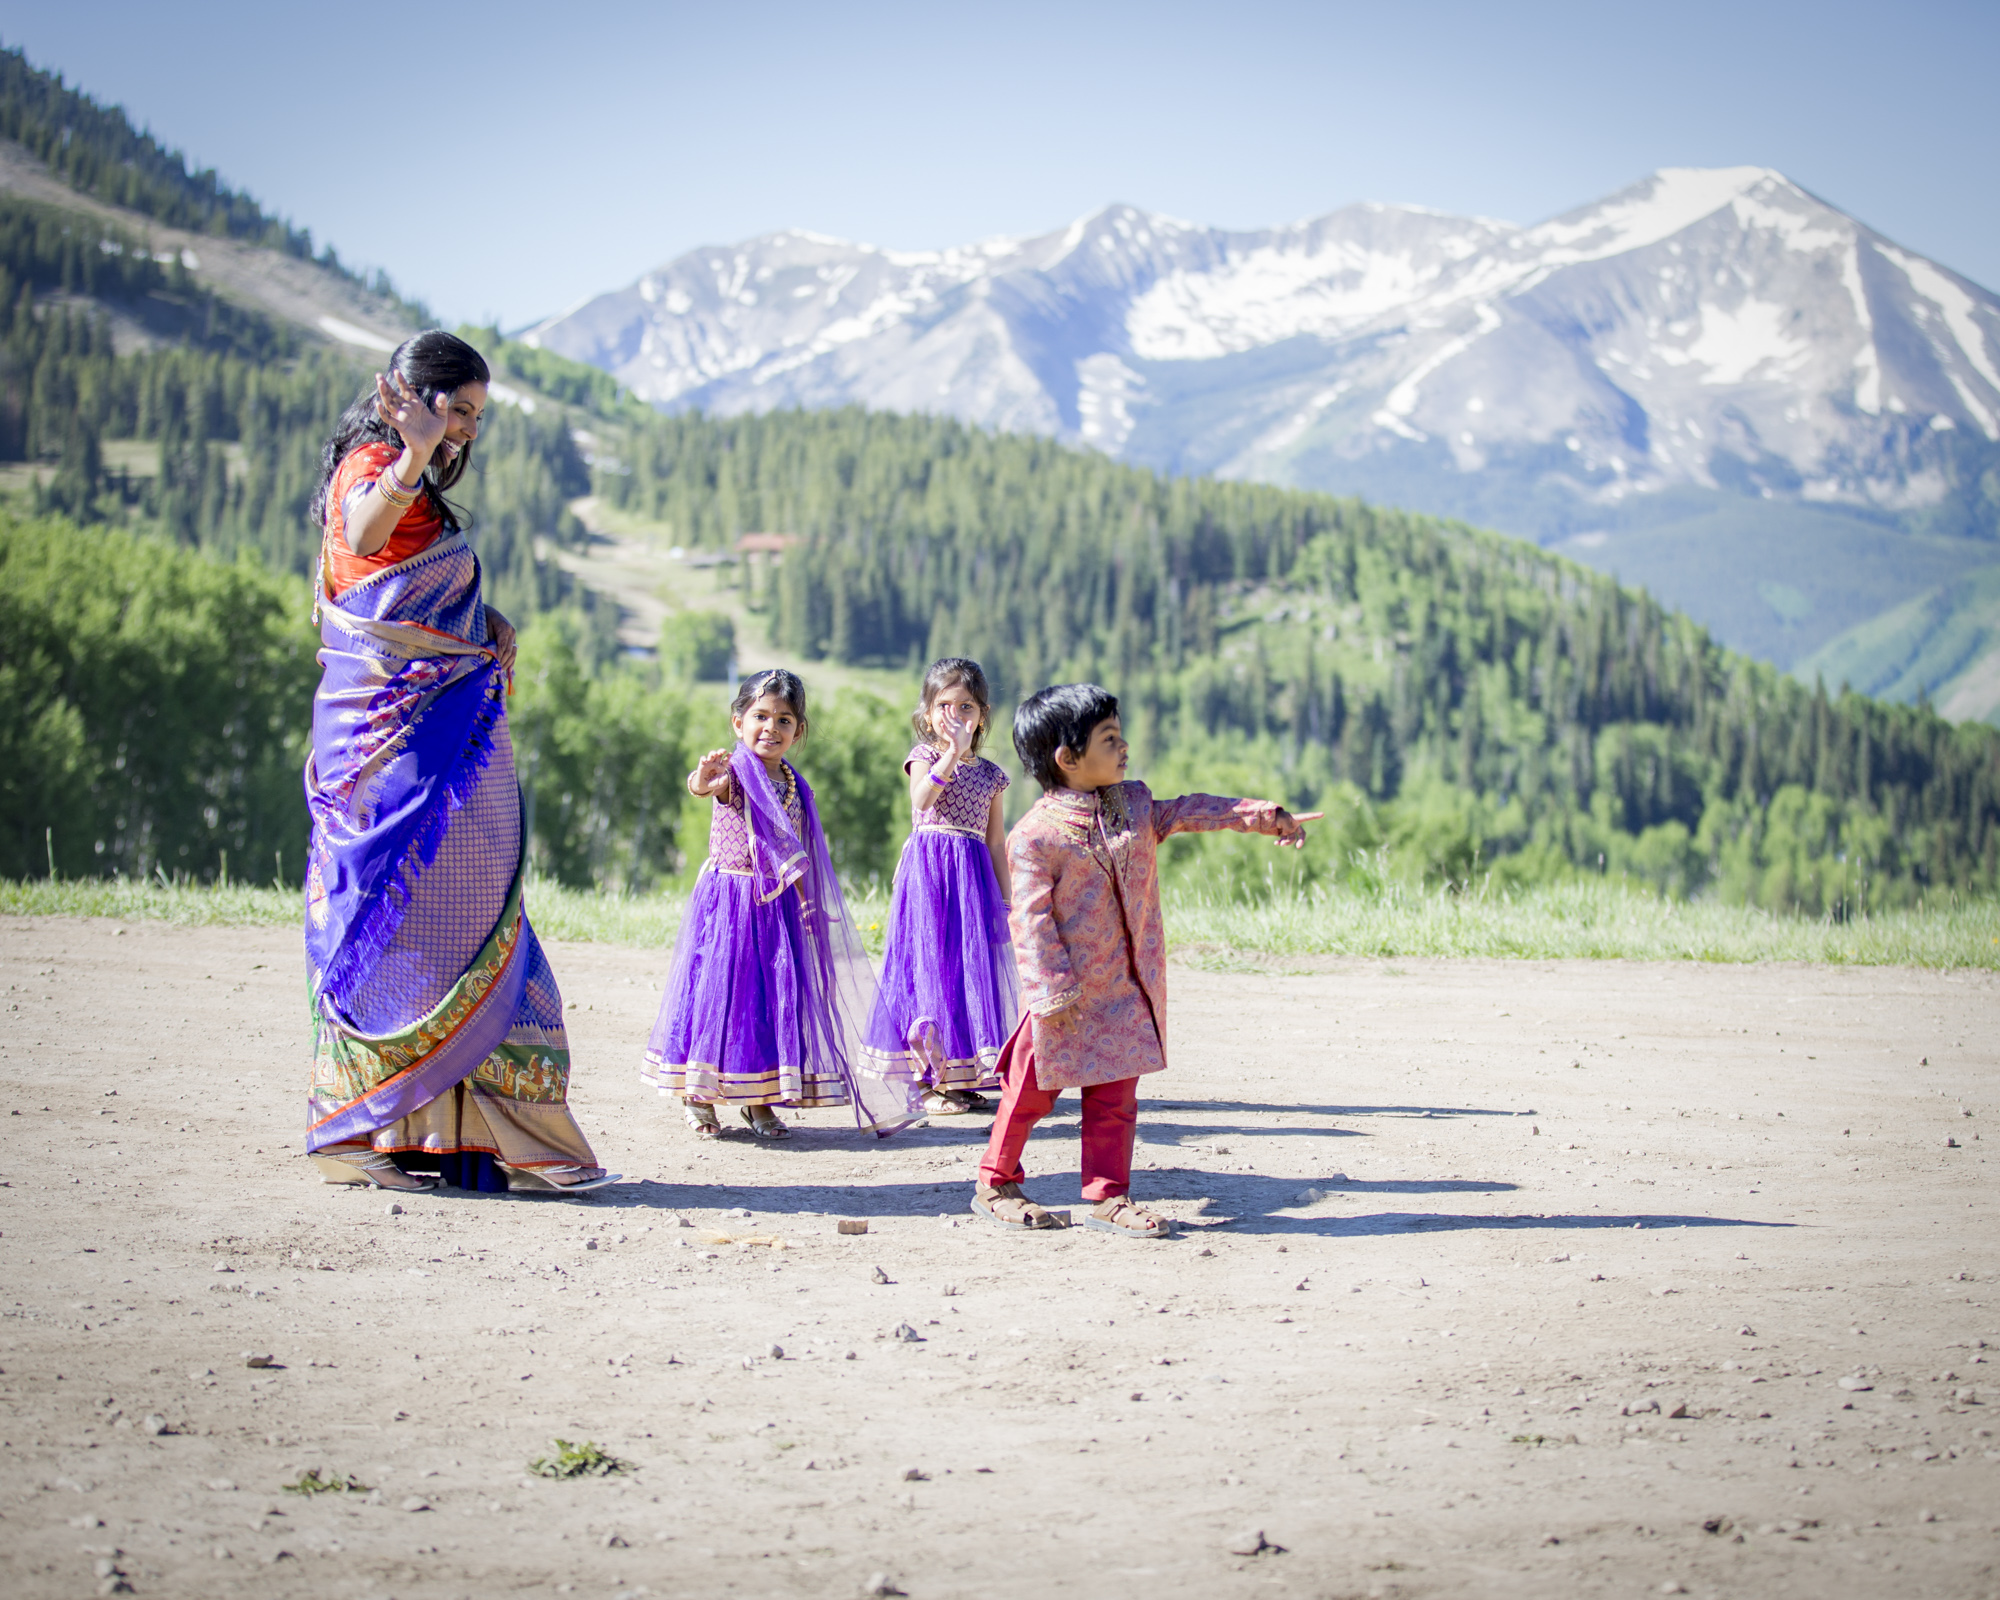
{"points": [[1110, 1115]]}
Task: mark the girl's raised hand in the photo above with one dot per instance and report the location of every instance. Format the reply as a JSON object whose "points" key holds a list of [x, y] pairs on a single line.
{"points": [[420, 426], [961, 727], [711, 776]]}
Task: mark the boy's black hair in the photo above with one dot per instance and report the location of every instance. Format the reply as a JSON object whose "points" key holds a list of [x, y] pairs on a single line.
{"points": [[1061, 717]]}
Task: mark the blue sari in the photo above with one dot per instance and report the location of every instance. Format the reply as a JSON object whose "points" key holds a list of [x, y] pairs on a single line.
{"points": [[437, 1025]]}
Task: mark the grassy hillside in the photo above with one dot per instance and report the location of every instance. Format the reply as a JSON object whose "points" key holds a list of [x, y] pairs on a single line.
{"points": [[1465, 701], [1944, 645]]}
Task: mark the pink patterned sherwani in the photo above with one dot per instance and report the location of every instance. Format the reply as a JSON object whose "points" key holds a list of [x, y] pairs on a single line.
{"points": [[1087, 928]]}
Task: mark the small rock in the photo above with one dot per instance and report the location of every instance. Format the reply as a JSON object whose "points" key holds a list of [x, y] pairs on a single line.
{"points": [[1926, 1516], [949, 1289], [737, 1211], [1855, 1385], [1306, 1197], [1640, 1407], [258, 1359], [613, 1542], [105, 1567], [877, 1275], [849, 1356], [1951, 1144], [777, 1352], [1747, 1331], [86, 1522], [1251, 1542], [915, 1475], [154, 1425], [198, 1373], [1671, 1587], [1550, 1538], [684, 1222], [1679, 1412], [416, 1502], [1206, 1251], [393, 1209], [222, 1485], [590, 1244], [399, 1416], [903, 1333], [224, 1266], [879, 1583], [1966, 1397], [851, 1225]]}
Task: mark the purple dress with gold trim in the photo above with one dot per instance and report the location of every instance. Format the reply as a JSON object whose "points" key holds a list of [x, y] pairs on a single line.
{"points": [[769, 981], [945, 1002]]}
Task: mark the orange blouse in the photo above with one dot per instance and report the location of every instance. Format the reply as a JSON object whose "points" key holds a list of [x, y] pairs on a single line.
{"points": [[420, 524]]}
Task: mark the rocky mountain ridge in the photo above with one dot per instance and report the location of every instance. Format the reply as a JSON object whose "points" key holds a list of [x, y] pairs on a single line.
{"points": [[1712, 381]]}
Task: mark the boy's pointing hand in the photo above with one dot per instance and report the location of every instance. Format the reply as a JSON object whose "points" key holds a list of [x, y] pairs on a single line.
{"points": [[1291, 829]]}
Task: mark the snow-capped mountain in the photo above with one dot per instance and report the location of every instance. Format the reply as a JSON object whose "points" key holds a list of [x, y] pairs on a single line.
{"points": [[1694, 326], [1711, 331]]}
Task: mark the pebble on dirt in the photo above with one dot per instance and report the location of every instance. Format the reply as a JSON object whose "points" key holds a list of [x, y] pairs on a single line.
{"points": [[1251, 1542], [877, 1275], [252, 1358], [851, 1225]]}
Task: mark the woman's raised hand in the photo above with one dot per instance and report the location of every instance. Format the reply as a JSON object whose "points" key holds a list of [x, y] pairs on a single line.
{"points": [[420, 426], [711, 776]]}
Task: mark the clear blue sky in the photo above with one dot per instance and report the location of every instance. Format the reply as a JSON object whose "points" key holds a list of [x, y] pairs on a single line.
{"points": [[559, 151]]}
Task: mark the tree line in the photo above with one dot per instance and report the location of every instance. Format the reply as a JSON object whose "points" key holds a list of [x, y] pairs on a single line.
{"points": [[1336, 652]]}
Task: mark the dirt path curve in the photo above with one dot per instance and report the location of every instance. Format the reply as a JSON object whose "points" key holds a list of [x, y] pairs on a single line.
{"points": [[1563, 1205]]}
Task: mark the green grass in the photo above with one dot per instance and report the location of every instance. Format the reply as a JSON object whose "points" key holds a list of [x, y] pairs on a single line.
{"points": [[1584, 920]]}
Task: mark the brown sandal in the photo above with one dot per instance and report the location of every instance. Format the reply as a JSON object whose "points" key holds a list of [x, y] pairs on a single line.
{"points": [[1109, 1216], [1010, 1208]]}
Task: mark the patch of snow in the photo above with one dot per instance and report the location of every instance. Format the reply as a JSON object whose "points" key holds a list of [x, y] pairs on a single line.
{"points": [[1957, 308], [508, 395], [349, 333], [1672, 199], [1402, 399], [1106, 385], [1732, 344]]}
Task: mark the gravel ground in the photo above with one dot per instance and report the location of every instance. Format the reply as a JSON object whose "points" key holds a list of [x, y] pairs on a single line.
{"points": [[1496, 1279]]}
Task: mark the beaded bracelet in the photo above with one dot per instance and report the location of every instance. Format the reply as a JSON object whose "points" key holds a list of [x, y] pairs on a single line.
{"points": [[391, 489]]}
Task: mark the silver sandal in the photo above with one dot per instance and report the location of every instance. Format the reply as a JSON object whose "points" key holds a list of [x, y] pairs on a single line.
{"points": [[769, 1126], [366, 1167], [701, 1118]]}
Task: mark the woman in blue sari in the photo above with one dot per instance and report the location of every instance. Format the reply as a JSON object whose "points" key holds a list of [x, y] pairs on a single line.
{"points": [[438, 1039]]}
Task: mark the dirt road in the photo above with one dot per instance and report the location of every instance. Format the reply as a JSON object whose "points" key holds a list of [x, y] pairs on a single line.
{"points": [[1596, 1247]]}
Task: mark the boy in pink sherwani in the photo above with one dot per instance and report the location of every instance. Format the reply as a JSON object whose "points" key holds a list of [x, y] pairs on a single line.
{"points": [[1092, 950]]}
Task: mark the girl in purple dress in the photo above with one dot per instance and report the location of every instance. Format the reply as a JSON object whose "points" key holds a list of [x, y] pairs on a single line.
{"points": [[945, 1005], [769, 981]]}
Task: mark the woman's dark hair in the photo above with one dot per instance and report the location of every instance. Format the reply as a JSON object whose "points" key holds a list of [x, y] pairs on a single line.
{"points": [[1062, 717], [772, 680], [953, 672], [432, 363]]}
